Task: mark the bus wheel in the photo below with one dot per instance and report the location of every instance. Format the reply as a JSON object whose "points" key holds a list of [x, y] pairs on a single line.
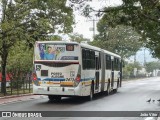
{"points": [[115, 90], [53, 97], [118, 83], [91, 92], [58, 98], [108, 88]]}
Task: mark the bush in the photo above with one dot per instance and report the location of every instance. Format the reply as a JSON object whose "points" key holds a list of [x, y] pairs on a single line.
{"points": [[16, 84]]}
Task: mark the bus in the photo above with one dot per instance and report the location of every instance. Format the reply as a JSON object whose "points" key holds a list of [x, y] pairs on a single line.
{"points": [[66, 69]]}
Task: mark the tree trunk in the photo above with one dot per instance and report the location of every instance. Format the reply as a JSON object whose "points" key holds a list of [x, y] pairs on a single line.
{"points": [[4, 52], [3, 66]]}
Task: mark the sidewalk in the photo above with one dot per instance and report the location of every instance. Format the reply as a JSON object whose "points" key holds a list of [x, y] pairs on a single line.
{"points": [[18, 98], [12, 96]]}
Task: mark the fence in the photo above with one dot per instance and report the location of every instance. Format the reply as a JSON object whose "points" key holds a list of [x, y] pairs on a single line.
{"points": [[18, 86]]}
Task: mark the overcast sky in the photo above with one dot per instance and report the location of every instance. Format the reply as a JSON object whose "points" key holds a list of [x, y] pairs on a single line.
{"points": [[84, 24]]}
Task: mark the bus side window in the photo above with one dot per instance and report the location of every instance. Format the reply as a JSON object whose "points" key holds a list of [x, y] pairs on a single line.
{"points": [[88, 59], [97, 63], [84, 58], [116, 64], [108, 62], [99, 60], [93, 59]]}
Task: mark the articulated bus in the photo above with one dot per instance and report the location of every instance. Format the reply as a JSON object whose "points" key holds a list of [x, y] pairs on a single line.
{"points": [[66, 69]]}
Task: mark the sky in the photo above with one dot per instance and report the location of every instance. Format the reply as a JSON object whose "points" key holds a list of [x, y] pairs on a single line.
{"points": [[143, 53], [83, 26]]}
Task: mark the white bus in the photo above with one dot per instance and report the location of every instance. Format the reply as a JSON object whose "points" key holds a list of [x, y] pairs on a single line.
{"points": [[63, 69]]}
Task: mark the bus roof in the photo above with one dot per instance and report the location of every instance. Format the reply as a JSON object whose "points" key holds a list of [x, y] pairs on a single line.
{"points": [[90, 46], [57, 42], [99, 49], [82, 45], [110, 53]]}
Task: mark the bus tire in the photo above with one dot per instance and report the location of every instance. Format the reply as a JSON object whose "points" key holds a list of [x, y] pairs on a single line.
{"points": [[118, 83], [91, 92], [115, 90], [53, 97], [108, 88]]}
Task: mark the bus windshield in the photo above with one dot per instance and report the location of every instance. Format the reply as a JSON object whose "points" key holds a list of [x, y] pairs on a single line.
{"points": [[56, 51]]}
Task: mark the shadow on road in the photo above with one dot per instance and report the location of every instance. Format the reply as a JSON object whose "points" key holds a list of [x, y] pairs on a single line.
{"points": [[77, 100]]}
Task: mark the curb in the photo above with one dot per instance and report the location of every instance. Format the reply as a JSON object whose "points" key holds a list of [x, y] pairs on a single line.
{"points": [[13, 96]]}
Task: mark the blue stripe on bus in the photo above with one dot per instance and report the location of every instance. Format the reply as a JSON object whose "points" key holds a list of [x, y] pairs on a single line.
{"points": [[63, 79], [53, 79], [86, 79]]}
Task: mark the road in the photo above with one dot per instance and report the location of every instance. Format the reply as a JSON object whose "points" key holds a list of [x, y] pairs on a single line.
{"points": [[132, 96]]}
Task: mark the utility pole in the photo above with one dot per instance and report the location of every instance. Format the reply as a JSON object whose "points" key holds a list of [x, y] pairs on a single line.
{"points": [[94, 30]]}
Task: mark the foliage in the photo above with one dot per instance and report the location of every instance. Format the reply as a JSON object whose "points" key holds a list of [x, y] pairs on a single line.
{"points": [[82, 6], [122, 40], [150, 66], [16, 84], [20, 58], [33, 20], [142, 15], [28, 21], [55, 38], [77, 37], [20, 63], [128, 70]]}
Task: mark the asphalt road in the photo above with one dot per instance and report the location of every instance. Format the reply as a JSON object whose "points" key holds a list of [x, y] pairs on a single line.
{"points": [[132, 96]]}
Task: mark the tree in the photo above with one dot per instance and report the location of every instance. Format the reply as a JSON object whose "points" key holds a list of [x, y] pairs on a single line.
{"points": [[20, 63], [28, 21], [55, 38], [122, 40], [150, 66], [77, 37], [142, 15], [128, 70]]}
